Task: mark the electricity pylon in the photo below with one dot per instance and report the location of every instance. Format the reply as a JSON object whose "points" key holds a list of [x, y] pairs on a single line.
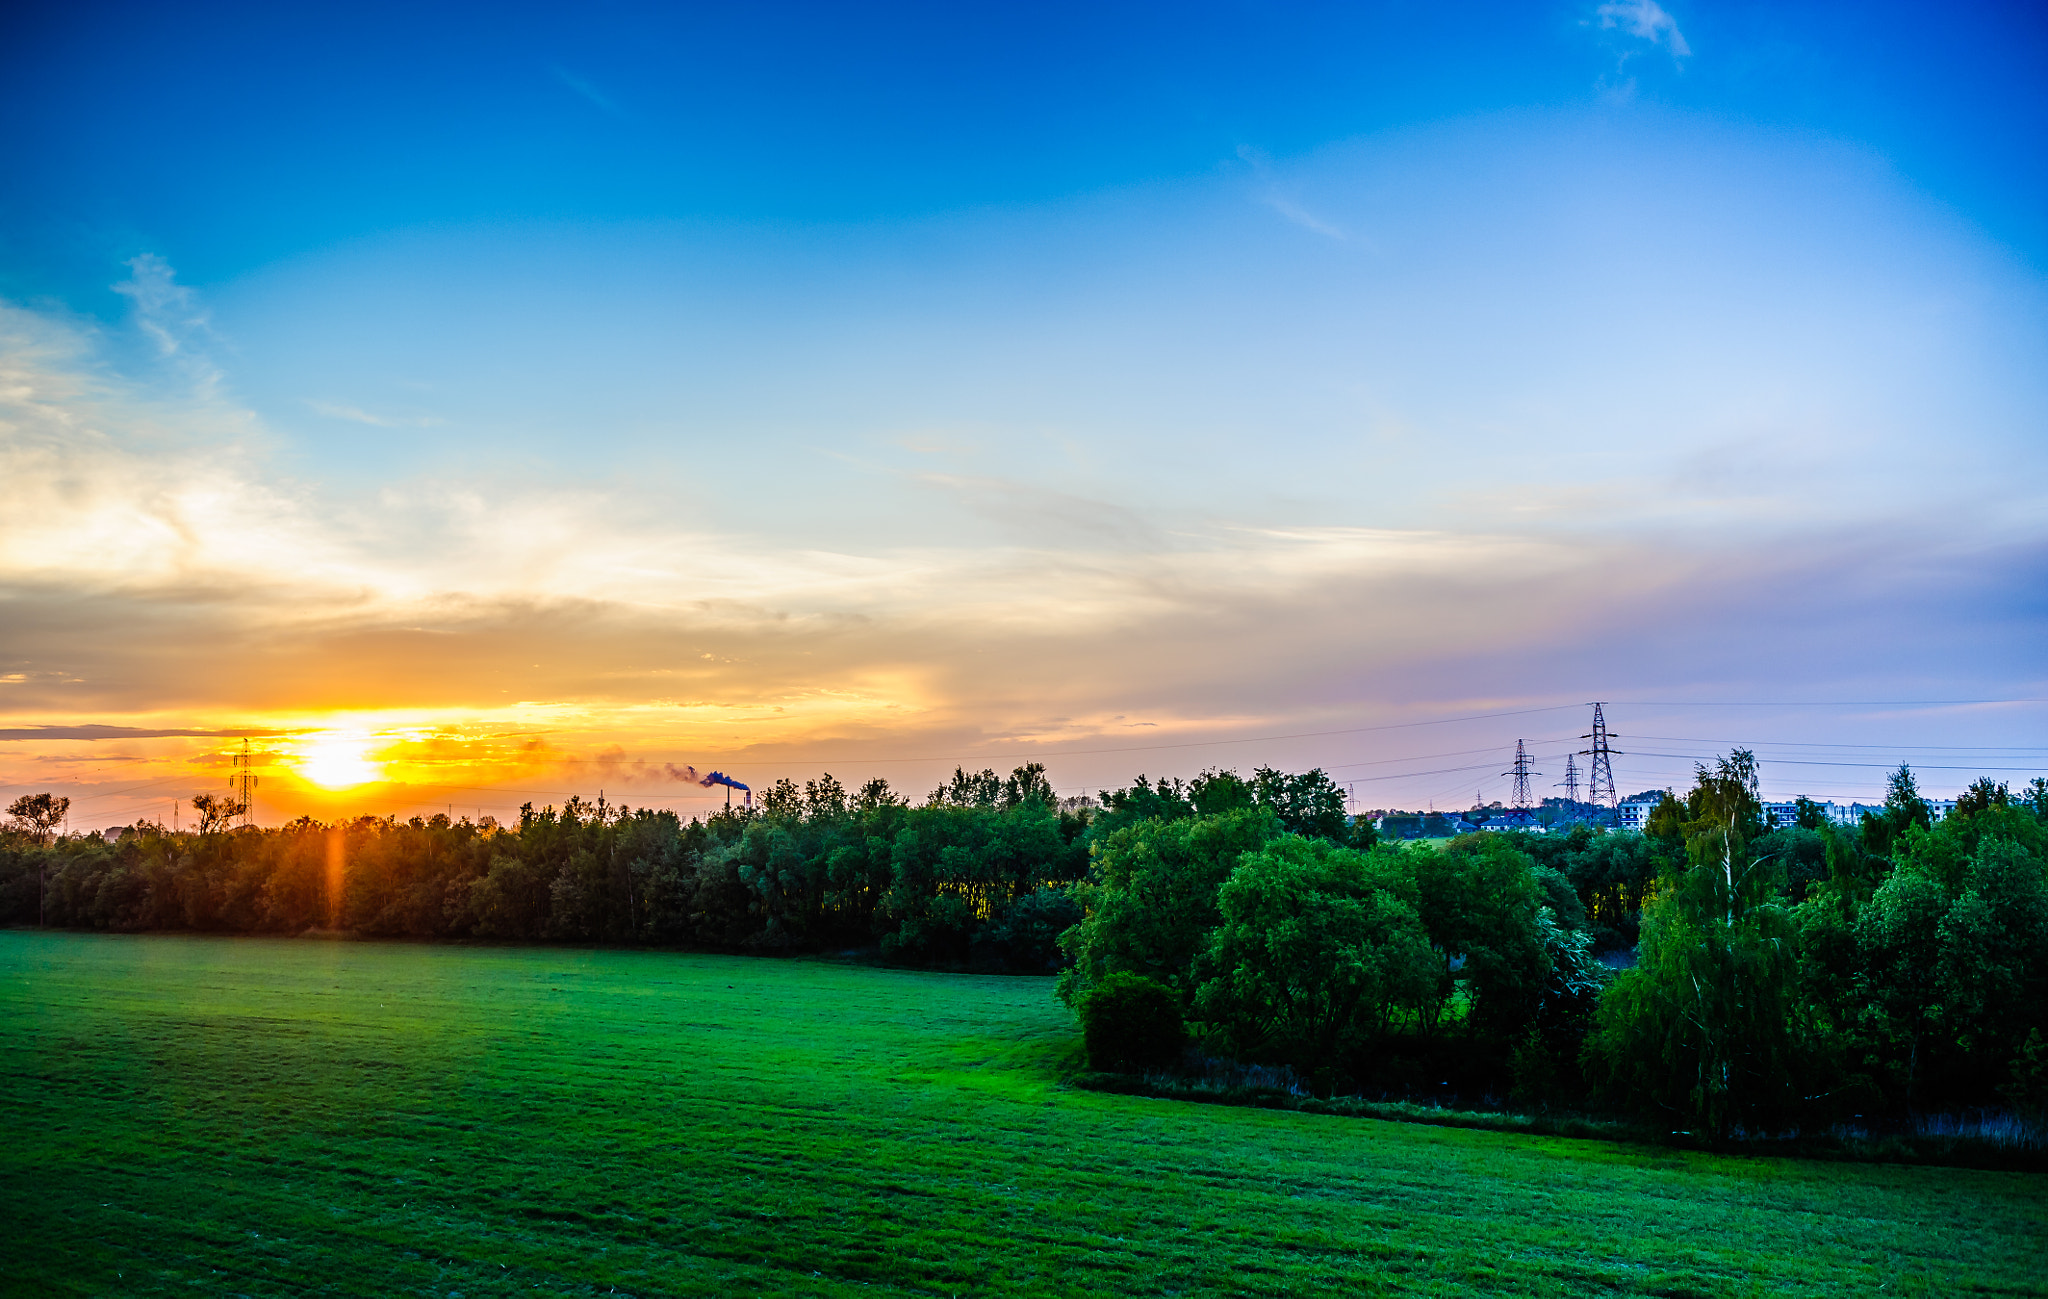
{"points": [[243, 782], [1521, 773], [1570, 783], [1600, 782]]}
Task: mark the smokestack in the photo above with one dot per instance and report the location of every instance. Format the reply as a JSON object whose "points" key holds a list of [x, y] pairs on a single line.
{"points": [[710, 778]]}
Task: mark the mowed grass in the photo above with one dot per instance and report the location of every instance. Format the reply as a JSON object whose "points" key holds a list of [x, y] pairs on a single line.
{"points": [[248, 1116]]}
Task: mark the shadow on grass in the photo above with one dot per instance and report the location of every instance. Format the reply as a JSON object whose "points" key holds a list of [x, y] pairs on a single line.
{"points": [[1992, 1140]]}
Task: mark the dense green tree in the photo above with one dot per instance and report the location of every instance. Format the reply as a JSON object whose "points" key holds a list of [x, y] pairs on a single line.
{"points": [[1903, 810], [1025, 935], [2035, 796], [1666, 822], [1215, 792], [1130, 1024], [38, 815], [1142, 801], [1027, 784], [1939, 978], [1318, 951], [1984, 793], [1706, 1027], [1306, 803], [216, 811], [955, 868], [1801, 856], [1150, 898], [1479, 903], [977, 789], [1724, 798], [1611, 873], [1544, 1065]]}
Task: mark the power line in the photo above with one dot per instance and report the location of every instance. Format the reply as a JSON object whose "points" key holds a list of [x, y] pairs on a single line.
{"points": [[1896, 748], [1148, 748], [1816, 762], [117, 793], [1819, 703]]}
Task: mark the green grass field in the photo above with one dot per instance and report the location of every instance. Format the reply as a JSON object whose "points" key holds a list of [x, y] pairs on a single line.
{"points": [[247, 1116]]}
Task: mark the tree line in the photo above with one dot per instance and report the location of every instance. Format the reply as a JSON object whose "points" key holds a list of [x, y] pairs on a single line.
{"points": [[1770, 978], [979, 875]]}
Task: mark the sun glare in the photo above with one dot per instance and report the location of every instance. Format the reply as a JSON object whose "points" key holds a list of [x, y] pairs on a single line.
{"points": [[338, 760]]}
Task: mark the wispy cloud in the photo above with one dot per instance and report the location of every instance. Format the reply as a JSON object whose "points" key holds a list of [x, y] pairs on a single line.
{"points": [[604, 103], [170, 314], [96, 731], [1272, 197], [1302, 217], [1645, 20], [357, 415]]}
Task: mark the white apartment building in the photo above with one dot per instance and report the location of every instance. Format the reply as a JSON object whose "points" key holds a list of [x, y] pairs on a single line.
{"points": [[1635, 814]]}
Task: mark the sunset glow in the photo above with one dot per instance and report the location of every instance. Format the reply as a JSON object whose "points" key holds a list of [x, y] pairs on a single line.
{"points": [[338, 761], [1127, 445]]}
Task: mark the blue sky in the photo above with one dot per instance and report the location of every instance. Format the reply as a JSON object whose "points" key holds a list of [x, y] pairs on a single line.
{"points": [[228, 137], [781, 383]]}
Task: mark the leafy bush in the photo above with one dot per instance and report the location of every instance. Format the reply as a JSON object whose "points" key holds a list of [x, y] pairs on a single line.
{"points": [[1318, 953], [1131, 1024], [1150, 897]]}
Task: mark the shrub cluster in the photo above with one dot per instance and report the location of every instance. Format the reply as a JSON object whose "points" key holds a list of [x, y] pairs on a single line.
{"points": [[1132, 1024]]}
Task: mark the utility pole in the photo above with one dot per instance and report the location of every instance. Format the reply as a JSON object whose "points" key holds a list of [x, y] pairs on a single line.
{"points": [[1600, 782]]}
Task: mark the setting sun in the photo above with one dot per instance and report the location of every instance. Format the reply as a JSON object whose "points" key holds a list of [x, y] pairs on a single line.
{"points": [[335, 761]]}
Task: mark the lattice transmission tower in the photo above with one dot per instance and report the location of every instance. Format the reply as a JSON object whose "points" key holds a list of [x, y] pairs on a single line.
{"points": [[1600, 780], [1570, 783], [1521, 773], [243, 781]]}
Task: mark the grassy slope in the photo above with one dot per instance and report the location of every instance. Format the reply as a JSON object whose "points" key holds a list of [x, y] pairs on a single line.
{"points": [[275, 1116]]}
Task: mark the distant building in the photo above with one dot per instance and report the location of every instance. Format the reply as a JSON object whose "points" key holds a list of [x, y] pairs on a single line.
{"points": [[1635, 814], [1779, 815]]}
